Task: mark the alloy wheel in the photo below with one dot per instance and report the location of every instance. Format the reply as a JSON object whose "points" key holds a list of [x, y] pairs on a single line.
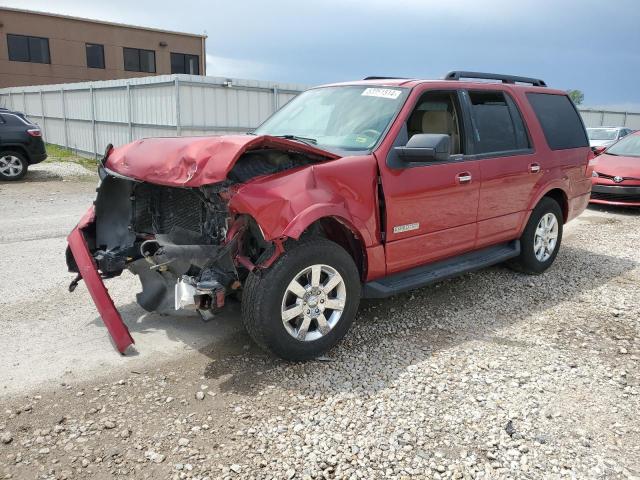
{"points": [[313, 302], [546, 237], [10, 166]]}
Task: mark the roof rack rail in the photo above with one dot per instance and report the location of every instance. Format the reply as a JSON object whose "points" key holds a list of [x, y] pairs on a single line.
{"points": [[385, 78], [457, 75]]}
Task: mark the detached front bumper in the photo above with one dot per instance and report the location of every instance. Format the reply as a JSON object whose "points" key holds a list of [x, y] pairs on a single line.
{"points": [[88, 270], [616, 195]]}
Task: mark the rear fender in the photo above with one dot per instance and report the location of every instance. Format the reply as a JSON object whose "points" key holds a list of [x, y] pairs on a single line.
{"points": [[553, 185], [557, 184]]}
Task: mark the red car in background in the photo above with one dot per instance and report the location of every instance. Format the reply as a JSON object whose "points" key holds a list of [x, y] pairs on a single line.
{"points": [[616, 175]]}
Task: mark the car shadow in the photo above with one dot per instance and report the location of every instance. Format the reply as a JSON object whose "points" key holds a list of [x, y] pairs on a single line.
{"points": [[30, 178], [471, 307], [618, 209]]}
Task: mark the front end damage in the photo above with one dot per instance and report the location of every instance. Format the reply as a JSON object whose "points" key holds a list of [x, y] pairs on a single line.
{"points": [[189, 249]]}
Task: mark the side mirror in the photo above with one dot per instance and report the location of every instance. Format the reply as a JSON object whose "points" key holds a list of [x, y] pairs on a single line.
{"points": [[598, 150], [425, 147]]}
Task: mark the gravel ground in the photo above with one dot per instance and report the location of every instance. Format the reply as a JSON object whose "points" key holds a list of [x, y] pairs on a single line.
{"points": [[48, 334], [52, 170], [490, 375]]}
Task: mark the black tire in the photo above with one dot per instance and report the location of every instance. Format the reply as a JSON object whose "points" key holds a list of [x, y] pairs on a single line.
{"points": [[14, 156], [264, 291], [527, 262]]}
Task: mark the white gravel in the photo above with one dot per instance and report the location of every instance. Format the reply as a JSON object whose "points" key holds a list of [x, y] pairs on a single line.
{"points": [[57, 171], [491, 375], [48, 334]]}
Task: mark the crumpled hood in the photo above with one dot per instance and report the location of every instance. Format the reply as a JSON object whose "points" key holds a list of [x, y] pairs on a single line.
{"points": [[617, 165], [194, 161]]}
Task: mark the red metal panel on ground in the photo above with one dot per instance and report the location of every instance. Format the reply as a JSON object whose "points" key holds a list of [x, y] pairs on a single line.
{"points": [[87, 267]]}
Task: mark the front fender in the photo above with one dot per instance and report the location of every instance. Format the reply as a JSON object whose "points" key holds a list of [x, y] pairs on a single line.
{"points": [[285, 204], [315, 212]]}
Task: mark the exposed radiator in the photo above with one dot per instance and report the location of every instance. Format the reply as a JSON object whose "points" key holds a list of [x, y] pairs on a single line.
{"points": [[158, 209]]}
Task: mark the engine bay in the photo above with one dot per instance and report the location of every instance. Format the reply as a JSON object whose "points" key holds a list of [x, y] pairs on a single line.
{"points": [[189, 251]]}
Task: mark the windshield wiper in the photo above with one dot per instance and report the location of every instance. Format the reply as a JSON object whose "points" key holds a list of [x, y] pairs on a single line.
{"points": [[307, 140]]}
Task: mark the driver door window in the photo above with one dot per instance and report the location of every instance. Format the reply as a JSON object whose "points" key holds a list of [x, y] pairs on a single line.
{"points": [[437, 113]]}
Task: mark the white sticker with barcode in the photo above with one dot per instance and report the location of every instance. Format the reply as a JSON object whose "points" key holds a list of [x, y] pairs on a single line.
{"points": [[382, 93]]}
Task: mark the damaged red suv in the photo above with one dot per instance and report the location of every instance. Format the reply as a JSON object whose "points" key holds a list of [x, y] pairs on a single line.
{"points": [[362, 189]]}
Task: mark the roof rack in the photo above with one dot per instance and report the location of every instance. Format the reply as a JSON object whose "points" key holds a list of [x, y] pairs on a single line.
{"points": [[385, 78], [457, 75]]}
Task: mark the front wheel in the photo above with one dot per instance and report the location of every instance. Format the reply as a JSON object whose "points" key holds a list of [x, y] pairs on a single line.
{"points": [[541, 238], [305, 302]]}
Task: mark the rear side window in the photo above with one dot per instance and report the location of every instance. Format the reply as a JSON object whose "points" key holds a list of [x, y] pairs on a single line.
{"points": [[11, 120], [15, 120], [560, 121], [497, 123]]}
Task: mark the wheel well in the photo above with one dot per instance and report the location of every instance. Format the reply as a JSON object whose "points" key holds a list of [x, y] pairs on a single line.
{"points": [[15, 148], [559, 196], [333, 229]]}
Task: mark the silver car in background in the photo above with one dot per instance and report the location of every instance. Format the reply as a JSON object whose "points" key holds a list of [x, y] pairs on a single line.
{"points": [[605, 136]]}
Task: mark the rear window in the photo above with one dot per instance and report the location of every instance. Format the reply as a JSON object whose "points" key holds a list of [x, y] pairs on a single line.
{"points": [[560, 121]]}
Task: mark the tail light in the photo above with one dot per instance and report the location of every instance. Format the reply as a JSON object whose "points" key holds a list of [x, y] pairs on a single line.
{"points": [[590, 170], [34, 132]]}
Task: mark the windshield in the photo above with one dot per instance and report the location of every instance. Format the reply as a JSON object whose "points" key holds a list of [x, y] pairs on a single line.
{"points": [[345, 117], [629, 146], [602, 133]]}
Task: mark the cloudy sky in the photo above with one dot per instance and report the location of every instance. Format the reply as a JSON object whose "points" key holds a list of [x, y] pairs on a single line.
{"points": [[590, 45]]}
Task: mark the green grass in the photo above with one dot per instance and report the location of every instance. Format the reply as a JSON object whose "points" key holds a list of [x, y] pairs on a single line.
{"points": [[56, 153]]}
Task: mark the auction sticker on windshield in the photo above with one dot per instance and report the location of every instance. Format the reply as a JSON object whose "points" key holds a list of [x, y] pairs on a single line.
{"points": [[382, 93]]}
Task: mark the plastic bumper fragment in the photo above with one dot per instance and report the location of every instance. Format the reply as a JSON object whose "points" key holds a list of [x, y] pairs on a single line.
{"points": [[99, 293]]}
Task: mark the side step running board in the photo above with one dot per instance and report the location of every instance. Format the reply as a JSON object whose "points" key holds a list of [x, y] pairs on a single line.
{"points": [[435, 272]]}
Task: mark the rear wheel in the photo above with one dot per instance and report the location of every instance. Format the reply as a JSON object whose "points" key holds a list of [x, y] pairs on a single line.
{"points": [[13, 165], [541, 238], [305, 302]]}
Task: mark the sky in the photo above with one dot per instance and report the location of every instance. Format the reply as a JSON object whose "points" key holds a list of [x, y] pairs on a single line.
{"points": [[593, 46]]}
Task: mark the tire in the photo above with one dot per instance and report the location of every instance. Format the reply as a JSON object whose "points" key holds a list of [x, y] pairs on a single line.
{"points": [[267, 295], [529, 261], [13, 165]]}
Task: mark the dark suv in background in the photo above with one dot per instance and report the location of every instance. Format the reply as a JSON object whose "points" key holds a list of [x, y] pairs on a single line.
{"points": [[21, 145]]}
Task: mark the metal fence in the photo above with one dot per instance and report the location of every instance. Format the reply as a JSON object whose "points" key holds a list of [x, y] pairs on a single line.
{"points": [[598, 118], [87, 116]]}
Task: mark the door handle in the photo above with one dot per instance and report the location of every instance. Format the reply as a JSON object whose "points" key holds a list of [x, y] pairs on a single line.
{"points": [[534, 168], [464, 177]]}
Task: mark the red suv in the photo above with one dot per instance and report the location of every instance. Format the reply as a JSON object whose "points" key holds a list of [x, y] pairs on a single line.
{"points": [[360, 189]]}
